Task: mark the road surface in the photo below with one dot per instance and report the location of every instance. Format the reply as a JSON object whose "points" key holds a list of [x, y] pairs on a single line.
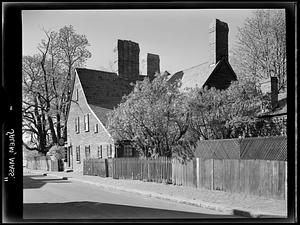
{"points": [[48, 197]]}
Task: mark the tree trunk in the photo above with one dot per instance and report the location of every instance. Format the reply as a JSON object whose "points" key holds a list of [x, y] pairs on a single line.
{"points": [[58, 127], [51, 125]]}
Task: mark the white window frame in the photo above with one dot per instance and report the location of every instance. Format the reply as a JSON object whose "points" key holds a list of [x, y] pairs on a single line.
{"points": [[87, 147], [78, 153], [77, 125], [96, 128], [100, 152], [86, 122], [76, 95]]}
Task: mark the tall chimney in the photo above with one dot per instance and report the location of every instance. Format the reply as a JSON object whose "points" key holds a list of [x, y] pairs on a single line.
{"points": [[128, 59], [274, 92], [152, 65], [218, 41]]}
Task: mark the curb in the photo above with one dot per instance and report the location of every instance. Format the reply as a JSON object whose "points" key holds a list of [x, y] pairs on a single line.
{"points": [[198, 203]]}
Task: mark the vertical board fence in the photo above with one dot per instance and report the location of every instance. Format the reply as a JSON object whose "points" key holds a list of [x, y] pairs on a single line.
{"points": [[146, 169], [256, 177], [44, 163], [95, 167]]}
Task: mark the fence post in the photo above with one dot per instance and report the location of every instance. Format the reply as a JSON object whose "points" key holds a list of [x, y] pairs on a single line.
{"points": [[285, 182], [197, 173], [212, 174], [106, 167]]}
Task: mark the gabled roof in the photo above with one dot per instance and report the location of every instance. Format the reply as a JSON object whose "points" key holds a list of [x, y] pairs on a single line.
{"points": [[281, 109], [197, 76], [103, 90]]}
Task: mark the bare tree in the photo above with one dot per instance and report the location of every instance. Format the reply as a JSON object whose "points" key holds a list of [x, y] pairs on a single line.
{"points": [[261, 49], [47, 85]]}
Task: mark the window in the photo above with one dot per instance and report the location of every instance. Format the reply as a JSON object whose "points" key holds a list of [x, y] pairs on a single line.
{"points": [[99, 153], [78, 153], [76, 94], [86, 122], [87, 152], [77, 125], [127, 151], [108, 151], [96, 128]]}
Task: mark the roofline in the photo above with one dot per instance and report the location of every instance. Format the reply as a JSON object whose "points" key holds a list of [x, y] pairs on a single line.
{"points": [[230, 67], [96, 70], [88, 105], [272, 115], [218, 65]]}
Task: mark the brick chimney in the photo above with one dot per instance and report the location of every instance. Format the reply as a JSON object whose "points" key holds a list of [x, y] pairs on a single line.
{"points": [[128, 59], [218, 41], [274, 92], [152, 65]]}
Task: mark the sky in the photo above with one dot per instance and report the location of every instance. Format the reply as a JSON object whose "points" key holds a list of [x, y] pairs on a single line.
{"points": [[178, 36]]}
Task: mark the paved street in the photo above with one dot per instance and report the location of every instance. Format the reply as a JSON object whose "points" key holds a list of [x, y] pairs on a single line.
{"points": [[48, 197]]}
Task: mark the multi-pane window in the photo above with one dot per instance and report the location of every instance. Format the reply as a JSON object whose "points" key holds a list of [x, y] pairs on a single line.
{"points": [[78, 153], [99, 153], [87, 152], [77, 128], [107, 150], [96, 128], [86, 122], [127, 151]]}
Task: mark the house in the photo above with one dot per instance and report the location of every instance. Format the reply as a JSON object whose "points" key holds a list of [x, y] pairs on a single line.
{"points": [[95, 93], [217, 71], [276, 114]]}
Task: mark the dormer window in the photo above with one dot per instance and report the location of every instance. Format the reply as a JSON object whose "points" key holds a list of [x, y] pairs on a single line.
{"points": [[86, 123]]}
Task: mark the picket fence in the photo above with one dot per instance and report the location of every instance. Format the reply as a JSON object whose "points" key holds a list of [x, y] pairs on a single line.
{"points": [[256, 177]]}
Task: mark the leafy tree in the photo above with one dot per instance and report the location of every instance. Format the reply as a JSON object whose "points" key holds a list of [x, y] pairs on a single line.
{"points": [[261, 49], [155, 117], [218, 114], [47, 83]]}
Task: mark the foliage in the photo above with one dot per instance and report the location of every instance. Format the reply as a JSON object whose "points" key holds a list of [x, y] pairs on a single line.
{"points": [[218, 114], [57, 151], [155, 116], [47, 82], [261, 49]]}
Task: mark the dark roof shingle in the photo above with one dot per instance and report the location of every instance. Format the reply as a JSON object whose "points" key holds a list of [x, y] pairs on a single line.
{"points": [[104, 90]]}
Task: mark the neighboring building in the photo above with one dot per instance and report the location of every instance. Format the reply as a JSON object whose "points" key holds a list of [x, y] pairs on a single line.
{"points": [[217, 72], [276, 114], [95, 93]]}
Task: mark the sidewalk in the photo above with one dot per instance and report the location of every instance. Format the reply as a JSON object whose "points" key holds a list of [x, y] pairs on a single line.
{"points": [[231, 203]]}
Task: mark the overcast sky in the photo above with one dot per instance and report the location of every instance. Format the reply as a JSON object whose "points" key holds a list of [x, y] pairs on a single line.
{"points": [[179, 37]]}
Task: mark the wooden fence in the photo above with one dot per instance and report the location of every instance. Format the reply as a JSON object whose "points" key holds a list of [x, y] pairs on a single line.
{"points": [[263, 148], [256, 177], [96, 167], [44, 163], [147, 169]]}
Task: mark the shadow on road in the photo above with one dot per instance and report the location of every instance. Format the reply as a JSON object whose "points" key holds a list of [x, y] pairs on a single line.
{"points": [[96, 210], [38, 181]]}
